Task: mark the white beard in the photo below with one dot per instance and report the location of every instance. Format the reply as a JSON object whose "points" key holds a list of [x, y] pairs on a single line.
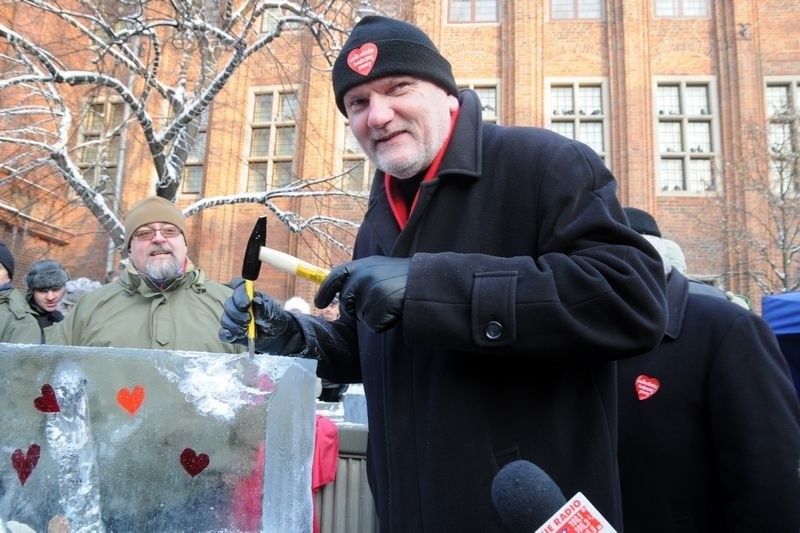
{"points": [[162, 269]]}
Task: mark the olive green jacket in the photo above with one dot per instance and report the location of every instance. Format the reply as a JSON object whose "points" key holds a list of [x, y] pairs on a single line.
{"points": [[131, 312], [17, 322]]}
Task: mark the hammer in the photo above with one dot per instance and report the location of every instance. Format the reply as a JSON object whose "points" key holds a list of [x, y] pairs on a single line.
{"points": [[292, 265], [250, 269], [257, 253]]}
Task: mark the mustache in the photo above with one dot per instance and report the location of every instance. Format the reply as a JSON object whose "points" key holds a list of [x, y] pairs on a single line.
{"points": [[382, 135], [159, 248]]}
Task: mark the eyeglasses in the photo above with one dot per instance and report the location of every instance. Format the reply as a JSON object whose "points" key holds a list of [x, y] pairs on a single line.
{"points": [[147, 234]]}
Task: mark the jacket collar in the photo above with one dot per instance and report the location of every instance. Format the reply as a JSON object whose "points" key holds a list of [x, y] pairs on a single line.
{"points": [[677, 298], [464, 155]]}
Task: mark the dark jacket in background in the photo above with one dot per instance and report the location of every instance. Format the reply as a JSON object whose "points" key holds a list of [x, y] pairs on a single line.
{"points": [[714, 444], [45, 319], [519, 237]]}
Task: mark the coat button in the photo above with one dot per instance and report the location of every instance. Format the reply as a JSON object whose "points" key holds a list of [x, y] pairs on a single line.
{"points": [[493, 330]]}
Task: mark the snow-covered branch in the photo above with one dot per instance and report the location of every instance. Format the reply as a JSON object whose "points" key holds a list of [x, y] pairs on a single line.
{"points": [[166, 62]]}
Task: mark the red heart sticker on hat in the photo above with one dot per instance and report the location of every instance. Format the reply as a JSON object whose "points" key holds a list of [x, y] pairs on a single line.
{"points": [[362, 59], [646, 386]]}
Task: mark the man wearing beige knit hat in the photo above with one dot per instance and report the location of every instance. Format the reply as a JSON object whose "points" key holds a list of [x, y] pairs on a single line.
{"points": [[160, 300]]}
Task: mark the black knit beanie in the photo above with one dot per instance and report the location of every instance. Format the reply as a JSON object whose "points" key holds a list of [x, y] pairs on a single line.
{"points": [[7, 260], [380, 47], [45, 274], [642, 221]]}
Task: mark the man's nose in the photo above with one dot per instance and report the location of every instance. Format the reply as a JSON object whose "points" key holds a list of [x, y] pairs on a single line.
{"points": [[380, 112]]}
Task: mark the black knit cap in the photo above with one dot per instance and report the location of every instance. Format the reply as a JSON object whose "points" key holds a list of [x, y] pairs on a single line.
{"points": [[7, 260], [382, 46], [642, 221]]}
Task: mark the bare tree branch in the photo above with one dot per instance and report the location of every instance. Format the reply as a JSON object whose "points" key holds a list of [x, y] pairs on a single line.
{"points": [[764, 222], [116, 52]]}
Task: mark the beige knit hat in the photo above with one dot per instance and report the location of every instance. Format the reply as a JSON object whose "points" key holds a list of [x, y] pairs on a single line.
{"points": [[149, 210]]}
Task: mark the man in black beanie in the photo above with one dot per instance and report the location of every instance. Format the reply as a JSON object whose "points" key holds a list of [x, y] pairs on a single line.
{"points": [[46, 280], [495, 280], [17, 321]]}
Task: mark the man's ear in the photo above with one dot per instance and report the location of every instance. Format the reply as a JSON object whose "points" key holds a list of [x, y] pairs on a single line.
{"points": [[453, 103]]}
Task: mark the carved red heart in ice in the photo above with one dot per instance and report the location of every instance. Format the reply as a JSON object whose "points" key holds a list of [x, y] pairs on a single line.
{"points": [[47, 402], [363, 59], [25, 463], [193, 462], [130, 400], [646, 386]]}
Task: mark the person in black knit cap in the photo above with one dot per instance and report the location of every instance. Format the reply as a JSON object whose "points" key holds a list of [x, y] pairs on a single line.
{"points": [[494, 283]]}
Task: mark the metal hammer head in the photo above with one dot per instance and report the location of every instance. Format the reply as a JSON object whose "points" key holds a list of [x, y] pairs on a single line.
{"points": [[252, 263]]}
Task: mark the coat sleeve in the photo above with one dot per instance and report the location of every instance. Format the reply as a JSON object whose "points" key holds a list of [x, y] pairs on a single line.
{"points": [[590, 287], [334, 344], [755, 423]]}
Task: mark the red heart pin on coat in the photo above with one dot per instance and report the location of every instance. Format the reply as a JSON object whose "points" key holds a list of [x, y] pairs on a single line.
{"points": [[363, 59], [25, 463], [193, 462], [47, 402], [646, 386]]}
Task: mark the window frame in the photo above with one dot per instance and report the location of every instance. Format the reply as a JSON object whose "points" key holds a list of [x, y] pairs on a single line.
{"points": [[275, 123], [604, 117], [484, 83], [197, 159], [791, 120], [110, 162], [472, 8], [686, 155], [681, 10], [576, 15], [355, 157], [267, 23]]}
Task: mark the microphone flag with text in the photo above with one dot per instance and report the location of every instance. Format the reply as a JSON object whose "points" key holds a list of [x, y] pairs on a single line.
{"points": [[529, 501]]}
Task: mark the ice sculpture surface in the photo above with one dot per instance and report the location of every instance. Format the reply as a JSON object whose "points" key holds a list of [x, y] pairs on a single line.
{"points": [[113, 439]]}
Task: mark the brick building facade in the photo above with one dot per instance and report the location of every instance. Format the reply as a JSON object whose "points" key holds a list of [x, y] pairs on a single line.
{"points": [[669, 92]]}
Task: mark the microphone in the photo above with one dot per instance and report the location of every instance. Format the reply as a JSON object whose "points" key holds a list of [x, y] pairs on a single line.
{"points": [[529, 501], [525, 496]]}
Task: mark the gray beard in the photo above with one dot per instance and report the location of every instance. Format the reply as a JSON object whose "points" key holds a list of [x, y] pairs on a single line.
{"points": [[162, 270]]}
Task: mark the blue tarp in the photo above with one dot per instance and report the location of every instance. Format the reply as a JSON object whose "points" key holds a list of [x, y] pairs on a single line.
{"points": [[782, 313]]}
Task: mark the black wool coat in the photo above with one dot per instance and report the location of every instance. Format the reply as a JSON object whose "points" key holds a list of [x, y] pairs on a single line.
{"points": [[709, 424], [525, 284]]}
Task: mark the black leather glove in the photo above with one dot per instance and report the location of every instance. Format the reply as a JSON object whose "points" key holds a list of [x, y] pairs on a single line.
{"points": [[277, 331], [371, 290]]}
